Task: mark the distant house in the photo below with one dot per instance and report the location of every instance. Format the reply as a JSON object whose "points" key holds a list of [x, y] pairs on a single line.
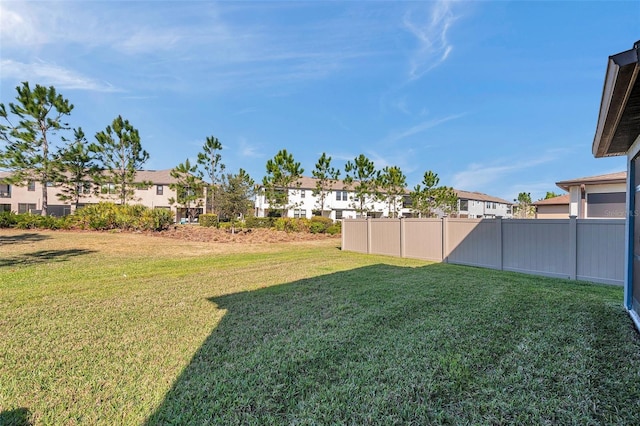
{"points": [[23, 199], [340, 203], [476, 205], [602, 196], [553, 208], [618, 133]]}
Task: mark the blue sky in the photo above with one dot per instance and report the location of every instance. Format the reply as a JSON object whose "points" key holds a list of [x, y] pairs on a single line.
{"points": [[497, 97]]}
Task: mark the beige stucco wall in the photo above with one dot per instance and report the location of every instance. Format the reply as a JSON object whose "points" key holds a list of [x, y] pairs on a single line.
{"points": [[553, 212]]}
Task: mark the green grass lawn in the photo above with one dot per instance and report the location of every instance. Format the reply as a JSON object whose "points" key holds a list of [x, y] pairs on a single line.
{"points": [[132, 329]]}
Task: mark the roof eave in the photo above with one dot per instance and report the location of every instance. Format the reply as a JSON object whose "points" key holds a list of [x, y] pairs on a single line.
{"points": [[620, 79]]}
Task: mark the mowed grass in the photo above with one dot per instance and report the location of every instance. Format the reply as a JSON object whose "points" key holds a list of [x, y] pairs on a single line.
{"points": [[100, 328]]}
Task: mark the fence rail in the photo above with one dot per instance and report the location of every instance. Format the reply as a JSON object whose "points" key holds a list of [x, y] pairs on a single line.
{"points": [[583, 249]]}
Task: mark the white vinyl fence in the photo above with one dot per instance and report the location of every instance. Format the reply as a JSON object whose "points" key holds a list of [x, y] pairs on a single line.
{"points": [[577, 249]]}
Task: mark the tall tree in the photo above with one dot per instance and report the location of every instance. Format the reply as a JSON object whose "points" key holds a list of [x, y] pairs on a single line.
{"points": [[551, 194], [283, 174], [30, 143], [210, 160], [188, 186], [326, 176], [120, 153], [525, 209], [78, 171], [362, 178], [428, 198], [392, 184], [235, 198]]}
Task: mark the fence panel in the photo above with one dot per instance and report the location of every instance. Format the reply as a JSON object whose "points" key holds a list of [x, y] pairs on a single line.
{"points": [[537, 246], [584, 249], [355, 235], [385, 236], [422, 239], [600, 250], [472, 242]]}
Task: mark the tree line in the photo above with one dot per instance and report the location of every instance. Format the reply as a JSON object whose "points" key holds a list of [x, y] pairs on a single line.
{"points": [[366, 184], [37, 145]]}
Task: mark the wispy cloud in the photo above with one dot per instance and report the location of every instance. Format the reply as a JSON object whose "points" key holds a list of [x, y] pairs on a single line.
{"points": [[51, 74], [419, 128], [431, 35], [477, 176], [248, 150]]}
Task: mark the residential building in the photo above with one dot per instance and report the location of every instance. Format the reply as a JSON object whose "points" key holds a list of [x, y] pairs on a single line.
{"points": [[339, 203], [476, 205], [553, 208], [23, 199], [618, 133], [602, 196]]}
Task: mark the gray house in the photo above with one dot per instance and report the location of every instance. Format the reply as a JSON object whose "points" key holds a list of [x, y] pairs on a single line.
{"points": [[618, 133]]}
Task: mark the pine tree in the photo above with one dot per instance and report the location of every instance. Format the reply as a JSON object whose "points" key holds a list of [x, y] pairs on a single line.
{"points": [[119, 152], [326, 176], [30, 144], [362, 177], [283, 173]]}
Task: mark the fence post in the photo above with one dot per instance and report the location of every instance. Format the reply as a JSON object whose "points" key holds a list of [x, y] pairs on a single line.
{"points": [[573, 247], [343, 225], [499, 242], [368, 235], [445, 238], [402, 237]]}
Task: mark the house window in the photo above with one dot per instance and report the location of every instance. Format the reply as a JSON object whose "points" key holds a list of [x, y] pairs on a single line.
{"points": [[5, 207], [26, 207], [5, 191], [108, 188], [341, 196], [159, 189], [302, 193], [31, 185], [299, 213], [464, 205], [338, 214]]}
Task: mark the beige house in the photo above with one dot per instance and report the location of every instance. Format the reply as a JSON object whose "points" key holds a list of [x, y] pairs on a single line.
{"points": [[602, 196], [553, 208], [23, 199]]}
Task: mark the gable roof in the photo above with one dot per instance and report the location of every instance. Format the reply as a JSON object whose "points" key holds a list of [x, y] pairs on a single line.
{"points": [[618, 177], [560, 200], [479, 196]]}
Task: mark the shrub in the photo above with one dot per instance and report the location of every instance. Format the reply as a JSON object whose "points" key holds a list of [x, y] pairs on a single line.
{"points": [[32, 221], [106, 216], [319, 224], [289, 224], [259, 222], [208, 220], [334, 229], [8, 219]]}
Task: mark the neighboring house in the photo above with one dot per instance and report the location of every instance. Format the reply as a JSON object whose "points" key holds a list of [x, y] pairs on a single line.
{"points": [[602, 196], [476, 205], [23, 199], [553, 208], [618, 133], [339, 203]]}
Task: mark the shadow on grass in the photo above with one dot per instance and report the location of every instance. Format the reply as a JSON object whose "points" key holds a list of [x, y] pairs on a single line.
{"points": [[28, 237], [17, 417], [42, 256], [431, 345]]}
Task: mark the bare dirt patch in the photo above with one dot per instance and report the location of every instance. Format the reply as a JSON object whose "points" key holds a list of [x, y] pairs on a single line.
{"points": [[248, 236]]}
